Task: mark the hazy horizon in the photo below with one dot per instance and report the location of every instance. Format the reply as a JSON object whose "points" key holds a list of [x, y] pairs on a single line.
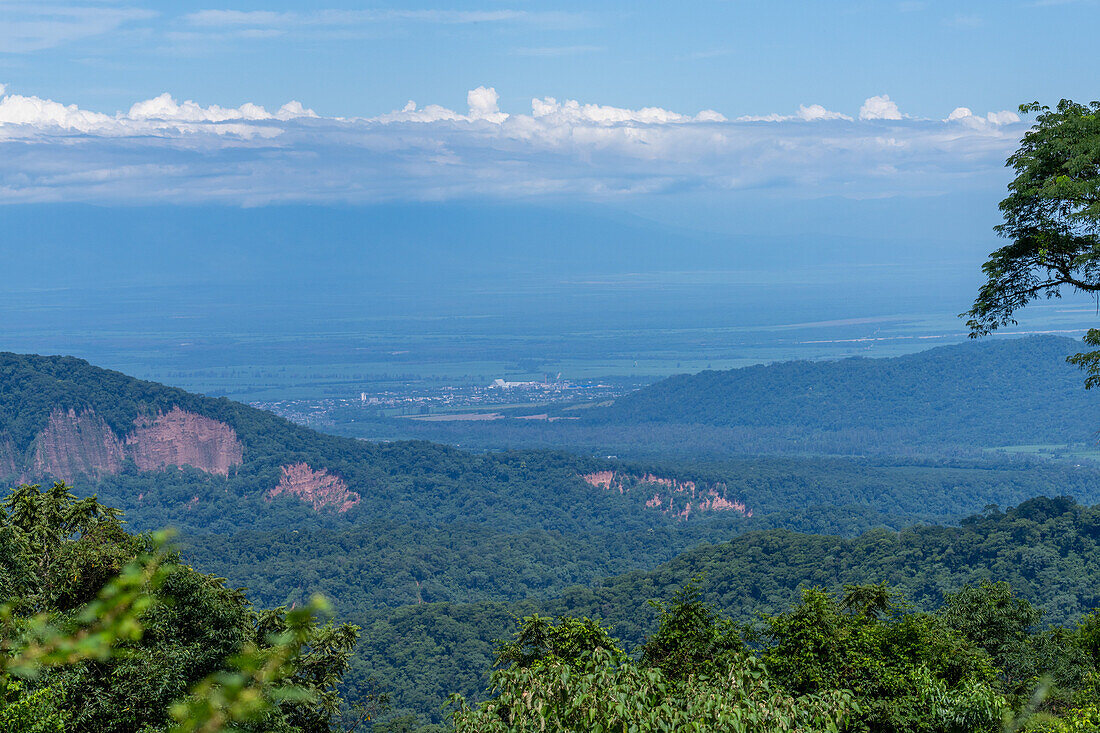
{"points": [[593, 190]]}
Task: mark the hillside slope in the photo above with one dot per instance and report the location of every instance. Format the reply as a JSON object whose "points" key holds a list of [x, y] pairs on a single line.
{"points": [[263, 501], [219, 469], [386, 530], [175, 457], [987, 393], [955, 400], [1047, 549]]}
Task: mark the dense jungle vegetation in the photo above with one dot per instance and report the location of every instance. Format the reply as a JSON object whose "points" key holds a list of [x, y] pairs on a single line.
{"points": [[1047, 550], [102, 630], [105, 631], [478, 527]]}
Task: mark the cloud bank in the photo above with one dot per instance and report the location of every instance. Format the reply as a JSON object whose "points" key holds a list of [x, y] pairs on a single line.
{"points": [[163, 150]]}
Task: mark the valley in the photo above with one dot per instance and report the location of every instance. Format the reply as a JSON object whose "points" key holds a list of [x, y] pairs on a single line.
{"points": [[392, 531]]}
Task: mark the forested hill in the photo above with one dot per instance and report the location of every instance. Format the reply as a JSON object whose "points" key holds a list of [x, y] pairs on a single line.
{"points": [[213, 467], [1048, 549], [168, 457], [985, 393], [171, 458]]}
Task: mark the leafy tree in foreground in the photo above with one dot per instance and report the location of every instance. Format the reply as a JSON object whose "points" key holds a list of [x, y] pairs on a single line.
{"points": [[602, 694], [691, 637], [541, 641], [1052, 219], [855, 663], [994, 619], [101, 630], [908, 671]]}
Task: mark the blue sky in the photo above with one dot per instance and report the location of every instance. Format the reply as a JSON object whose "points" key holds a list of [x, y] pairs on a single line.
{"points": [[257, 102], [735, 56], [852, 149]]}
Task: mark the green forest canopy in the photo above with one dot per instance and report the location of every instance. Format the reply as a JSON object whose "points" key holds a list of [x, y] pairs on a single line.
{"points": [[103, 631]]}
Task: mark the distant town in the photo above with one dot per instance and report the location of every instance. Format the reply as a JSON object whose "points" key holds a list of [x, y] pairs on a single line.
{"points": [[421, 401]]}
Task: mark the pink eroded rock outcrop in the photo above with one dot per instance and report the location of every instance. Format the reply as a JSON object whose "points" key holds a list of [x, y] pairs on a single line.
{"points": [[319, 488], [180, 438], [8, 465], [669, 495], [81, 444], [77, 444]]}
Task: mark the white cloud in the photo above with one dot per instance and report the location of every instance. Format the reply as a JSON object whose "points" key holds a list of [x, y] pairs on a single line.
{"points": [[879, 108], [484, 105], [34, 26], [965, 116], [572, 112], [807, 113], [22, 116], [165, 107], [163, 149], [1004, 117], [410, 113], [293, 109], [44, 114], [817, 112]]}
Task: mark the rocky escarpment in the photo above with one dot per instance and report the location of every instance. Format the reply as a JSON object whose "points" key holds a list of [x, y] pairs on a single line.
{"points": [[8, 465], [319, 488], [180, 438], [81, 444], [74, 444], [669, 495]]}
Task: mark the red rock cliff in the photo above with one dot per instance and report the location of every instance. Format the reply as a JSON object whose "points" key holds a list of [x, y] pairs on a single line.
{"points": [[181, 438], [320, 488], [670, 495], [73, 445], [8, 465]]}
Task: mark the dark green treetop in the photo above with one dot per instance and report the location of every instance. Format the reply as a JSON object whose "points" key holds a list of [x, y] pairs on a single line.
{"points": [[1052, 222]]}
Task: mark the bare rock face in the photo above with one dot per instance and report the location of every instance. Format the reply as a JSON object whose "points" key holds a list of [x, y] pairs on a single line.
{"points": [[319, 488], [669, 495], [8, 466], [77, 444], [180, 438], [83, 444]]}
